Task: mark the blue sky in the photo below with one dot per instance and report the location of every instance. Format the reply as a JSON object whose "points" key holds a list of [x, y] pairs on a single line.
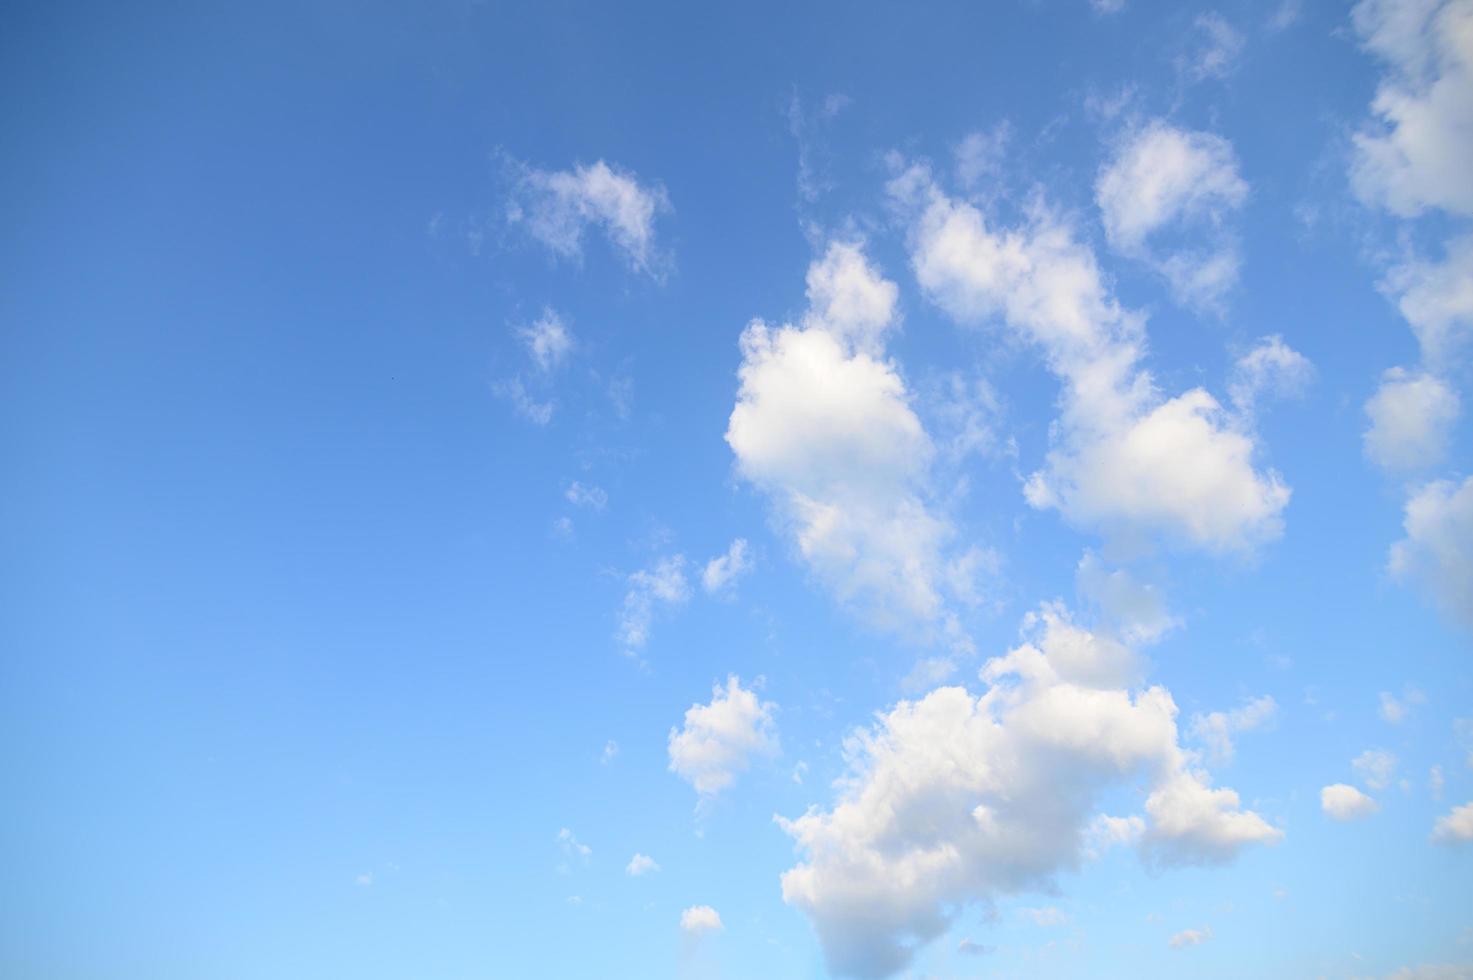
{"points": [[868, 490]]}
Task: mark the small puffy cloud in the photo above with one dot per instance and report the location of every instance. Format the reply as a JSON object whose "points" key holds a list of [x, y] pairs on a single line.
{"points": [[557, 207], [523, 402], [589, 496], [979, 156], [661, 586], [1106, 832], [1411, 415], [610, 752], [849, 300], [1219, 46], [364, 880], [719, 739], [1137, 610], [547, 340], [959, 798], [1216, 729], [1190, 937], [700, 918], [640, 864], [723, 571], [1125, 459], [1342, 802], [1167, 180], [1048, 915], [1395, 710], [1436, 298], [1454, 827], [1375, 767], [1413, 155], [1271, 367], [1107, 6], [1435, 782], [1437, 551], [969, 947], [572, 848]]}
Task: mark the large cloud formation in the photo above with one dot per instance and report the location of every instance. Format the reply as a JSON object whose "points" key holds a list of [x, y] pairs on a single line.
{"points": [[1126, 458], [960, 797]]}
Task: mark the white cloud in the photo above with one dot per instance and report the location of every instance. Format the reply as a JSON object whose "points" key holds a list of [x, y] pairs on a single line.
{"points": [[1162, 179], [365, 880], [824, 424], [1414, 155], [1437, 298], [1432, 971], [1107, 6], [1375, 767], [663, 585], [1190, 937], [1454, 827], [723, 571], [557, 207], [547, 340], [1216, 729], [1411, 420], [1342, 801], [1106, 832], [956, 798], [1435, 782], [979, 156], [1220, 47], [1125, 458], [1437, 551], [1395, 710], [571, 847], [586, 496], [700, 918], [1271, 367], [515, 391], [1135, 609], [610, 752], [719, 739], [641, 864], [1048, 915]]}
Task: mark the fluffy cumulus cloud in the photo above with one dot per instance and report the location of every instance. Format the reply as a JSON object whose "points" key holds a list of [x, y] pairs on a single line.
{"points": [[1411, 415], [1164, 196], [641, 864], [958, 797], [1126, 458], [719, 740], [824, 424], [722, 572], [700, 918], [1216, 729], [1414, 155], [1136, 610], [1454, 827], [1437, 551], [1375, 767], [556, 207], [1436, 298], [662, 585], [1342, 802]]}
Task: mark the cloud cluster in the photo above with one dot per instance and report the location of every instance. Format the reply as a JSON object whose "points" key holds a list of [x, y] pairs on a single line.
{"points": [[1217, 728], [824, 424], [1163, 183], [558, 206], [957, 798], [1126, 459], [719, 740]]}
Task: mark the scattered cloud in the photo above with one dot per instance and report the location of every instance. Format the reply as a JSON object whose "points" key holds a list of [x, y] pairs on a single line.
{"points": [[1342, 802], [573, 849], [1125, 458], [1216, 729], [1454, 827], [641, 864], [1395, 710], [547, 340], [719, 740], [592, 497], [1271, 367], [700, 918], [1190, 937], [1375, 767], [1219, 47], [1164, 197], [557, 207], [514, 390], [1437, 551], [663, 585], [1411, 415], [722, 572], [1136, 610]]}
